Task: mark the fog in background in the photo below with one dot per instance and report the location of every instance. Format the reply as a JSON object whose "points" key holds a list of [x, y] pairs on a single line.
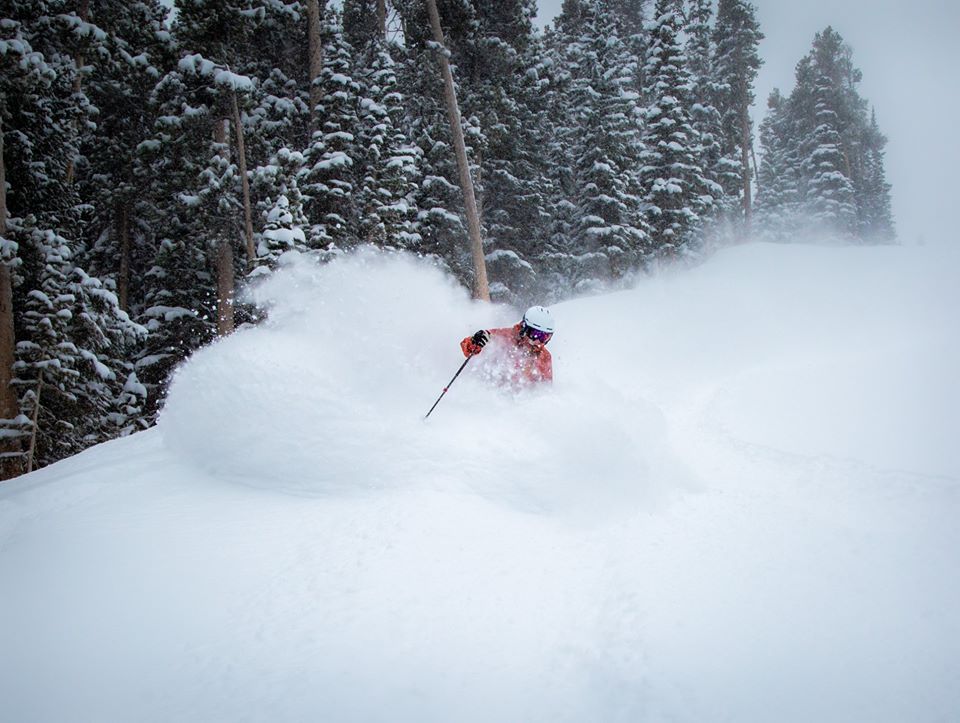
{"points": [[909, 63]]}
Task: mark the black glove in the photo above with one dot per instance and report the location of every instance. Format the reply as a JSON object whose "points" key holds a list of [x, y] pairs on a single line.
{"points": [[480, 338]]}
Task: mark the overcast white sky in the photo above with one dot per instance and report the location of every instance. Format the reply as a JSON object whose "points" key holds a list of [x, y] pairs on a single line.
{"points": [[910, 66]]}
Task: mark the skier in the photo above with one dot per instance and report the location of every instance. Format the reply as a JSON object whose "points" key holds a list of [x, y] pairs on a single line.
{"points": [[522, 347]]}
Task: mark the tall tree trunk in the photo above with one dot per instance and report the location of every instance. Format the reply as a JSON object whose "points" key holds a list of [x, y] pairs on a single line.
{"points": [[846, 163], [9, 407], [315, 49], [224, 288], [224, 253], [481, 289], [745, 162], [35, 426], [123, 236], [84, 13], [244, 184], [382, 18]]}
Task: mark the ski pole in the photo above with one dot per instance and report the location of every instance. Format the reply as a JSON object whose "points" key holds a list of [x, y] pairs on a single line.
{"points": [[449, 385]]}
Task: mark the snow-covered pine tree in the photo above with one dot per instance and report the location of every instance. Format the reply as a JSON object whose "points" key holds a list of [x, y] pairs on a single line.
{"points": [[69, 330], [390, 163], [677, 190], [556, 260], [219, 199], [500, 94], [256, 72], [441, 217], [822, 166], [44, 113], [282, 232], [179, 303], [230, 52], [832, 132], [829, 203], [136, 51], [629, 19], [77, 342], [388, 171], [361, 26], [194, 199], [704, 116], [280, 210], [275, 108], [737, 61], [10, 423], [599, 143], [860, 138], [329, 184], [775, 216], [25, 77], [874, 212]]}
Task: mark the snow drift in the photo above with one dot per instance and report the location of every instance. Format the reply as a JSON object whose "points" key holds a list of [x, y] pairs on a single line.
{"points": [[737, 502], [329, 397]]}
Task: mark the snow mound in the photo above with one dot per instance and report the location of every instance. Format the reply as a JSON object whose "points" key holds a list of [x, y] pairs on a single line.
{"points": [[510, 559], [329, 396]]}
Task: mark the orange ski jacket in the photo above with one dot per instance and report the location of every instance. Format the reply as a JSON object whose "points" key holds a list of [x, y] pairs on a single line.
{"points": [[531, 364]]}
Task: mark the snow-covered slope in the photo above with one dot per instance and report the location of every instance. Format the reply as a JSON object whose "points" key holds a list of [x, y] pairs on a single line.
{"points": [[738, 502]]}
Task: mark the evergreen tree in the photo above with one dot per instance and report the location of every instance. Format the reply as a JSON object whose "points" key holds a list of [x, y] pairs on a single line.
{"points": [[494, 52], [677, 191], [361, 24], [276, 109], [74, 340], [704, 116], [500, 95], [136, 52], [195, 199], [737, 38], [330, 183], [778, 192], [179, 301], [441, 217], [830, 203], [600, 145], [823, 155], [829, 77], [71, 337], [390, 163], [282, 217], [283, 231], [875, 216]]}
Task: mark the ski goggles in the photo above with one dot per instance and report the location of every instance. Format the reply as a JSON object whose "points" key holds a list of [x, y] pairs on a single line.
{"points": [[542, 336]]}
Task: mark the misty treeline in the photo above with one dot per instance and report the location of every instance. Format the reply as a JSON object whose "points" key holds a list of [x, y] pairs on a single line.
{"points": [[152, 167]]}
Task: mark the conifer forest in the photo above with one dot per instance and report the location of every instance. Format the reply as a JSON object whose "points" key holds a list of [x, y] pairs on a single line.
{"points": [[156, 161]]}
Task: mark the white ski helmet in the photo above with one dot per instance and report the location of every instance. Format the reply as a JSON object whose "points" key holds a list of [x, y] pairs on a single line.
{"points": [[536, 317]]}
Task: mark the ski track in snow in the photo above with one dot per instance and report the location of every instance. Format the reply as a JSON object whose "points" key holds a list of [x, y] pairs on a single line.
{"points": [[678, 530]]}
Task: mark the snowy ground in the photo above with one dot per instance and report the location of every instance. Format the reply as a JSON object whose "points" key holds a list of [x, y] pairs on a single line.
{"points": [[738, 503]]}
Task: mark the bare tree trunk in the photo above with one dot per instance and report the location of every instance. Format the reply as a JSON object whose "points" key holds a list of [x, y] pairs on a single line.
{"points": [[225, 288], [123, 233], [745, 146], [9, 407], [382, 18], [224, 260], [315, 49], [35, 426], [244, 184], [481, 289], [84, 14]]}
